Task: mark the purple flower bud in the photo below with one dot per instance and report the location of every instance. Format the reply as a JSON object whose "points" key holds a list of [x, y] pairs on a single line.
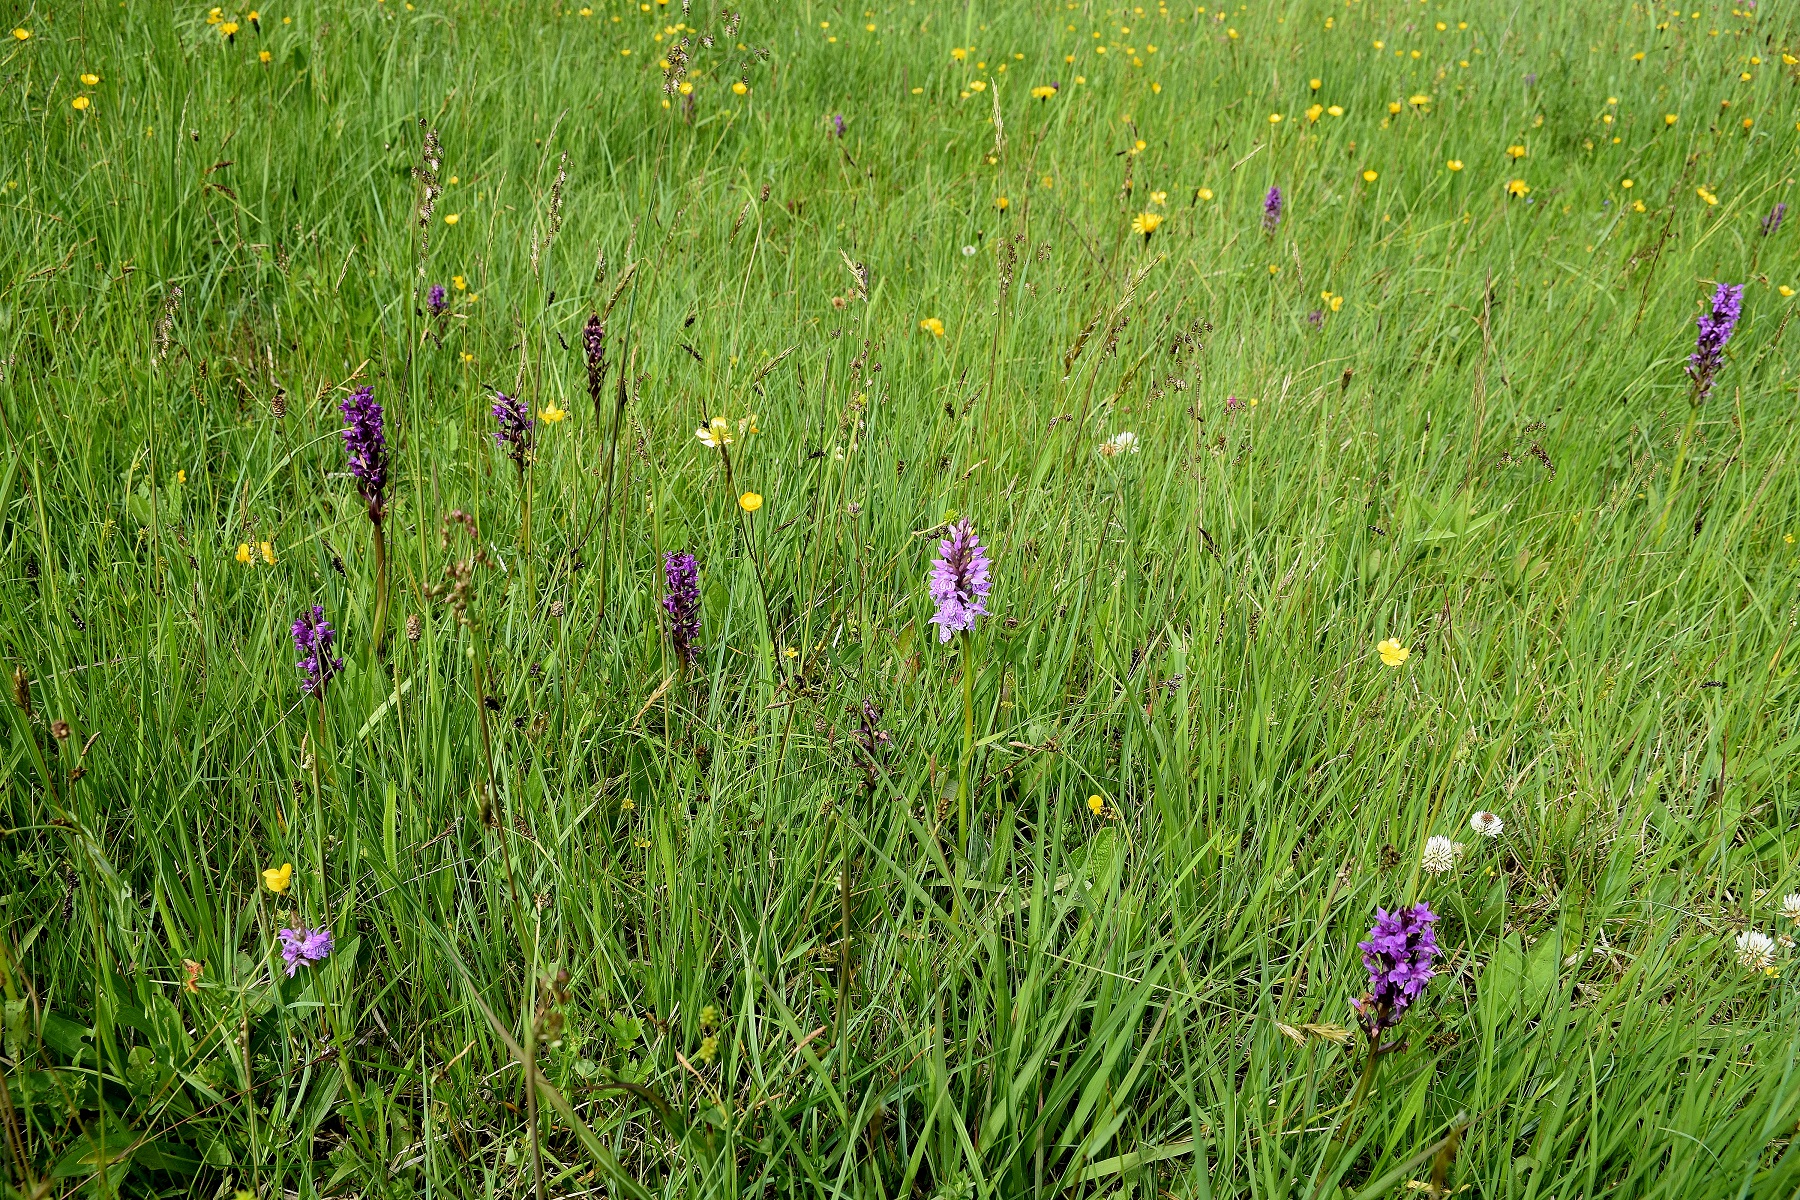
{"points": [[682, 575], [434, 300], [300, 945], [313, 636], [1716, 326], [1272, 210], [1772, 222], [1399, 954], [837, 122], [514, 432], [366, 440], [959, 581]]}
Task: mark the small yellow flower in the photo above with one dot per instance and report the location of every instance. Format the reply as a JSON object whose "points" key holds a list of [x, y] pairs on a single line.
{"points": [[267, 550], [552, 414], [251, 16], [243, 555], [686, 88], [1002, 203], [1096, 805], [1274, 270], [958, 53], [1392, 652], [740, 88], [1515, 152], [1232, 34], [933, 326], [1336, 303], [1042, 92], [1380, 45], [1371, 176], [1626, 184], [715, 433], [1274, 118], [1670, 118], [1419, 101], [79, 103], [1706, 195], [452, 218], [1047, 181], [23, 35], [459, 283], [467, 357], [89, 79], [1315, 84], [1146, 223], [1518, 187], [1336, 110], [279, 879], [1314, 112], [1159, 198], [1393, 107], [229, 28], [750, 502], [789, 652], [1637, 206], [978, 85], [1785, 290], [263, 56], [1747, 122], [1204, 194], [1454, 164]]}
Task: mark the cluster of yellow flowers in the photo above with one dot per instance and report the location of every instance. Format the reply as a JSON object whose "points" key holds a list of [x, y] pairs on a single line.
{"points": [[266, 549]]}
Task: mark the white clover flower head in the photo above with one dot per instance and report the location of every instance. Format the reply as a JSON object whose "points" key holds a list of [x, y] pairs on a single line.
{"points": [[1756, 950], [1790, 907], [1487, 824], [1441, 855]]}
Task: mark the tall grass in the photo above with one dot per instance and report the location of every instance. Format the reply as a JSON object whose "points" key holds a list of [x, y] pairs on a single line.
{"points": [[605, 925]]}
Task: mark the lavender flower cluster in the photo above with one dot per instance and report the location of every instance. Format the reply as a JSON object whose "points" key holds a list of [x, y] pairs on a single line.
{"points": [[514, 432], [959, 581], [682, 603], [366, 440], [1272, 209], [301, 945], [1716, 326], [1398, 955], [313, 636]]}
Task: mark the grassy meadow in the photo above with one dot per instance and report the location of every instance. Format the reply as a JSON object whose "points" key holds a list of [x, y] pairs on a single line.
{"points": [[1420, 518]]}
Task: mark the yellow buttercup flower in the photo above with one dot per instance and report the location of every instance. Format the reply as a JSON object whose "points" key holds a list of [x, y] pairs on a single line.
{"points": [[750, 501], [1515, 152], [1159, 198], [1393, 107], [1096, 805], [267, 551], [740, 88], [89, 79], [1204, 194], [978, 85], [181, 477], [551, 414], [79, 103], [933, 326], [1625, 183], [243, 555], [1315, 84], [1371, 176], [23, 35], [1146, 223], [1785, 290], [1706, 195], [715, 434], [1454, 164], [1336, 110], [452, 218], [264, 56], [1392, 652], [279, 879], [1670, 118]]}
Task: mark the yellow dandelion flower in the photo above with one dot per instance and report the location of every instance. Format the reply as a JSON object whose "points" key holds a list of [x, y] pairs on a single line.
{"points": [[1042, 92], [958, 53], [228, 29], [1393, 107], [750, 502], [263, 56], [1518, 187], [933, 326], [1146, 223], [1314, 112], [1002, 203], [1706, 195], [1419, 101], [1370, 176], [1315, 84], [1515, 152], [1392, 652], [1670, 118], [279, 879]]}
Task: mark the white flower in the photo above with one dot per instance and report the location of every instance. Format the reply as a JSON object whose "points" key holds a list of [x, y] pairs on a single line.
{"points": [[1756, 949], [715, 433], [968, 252], [1486, 824], [1440, 855], [1790, 907], [1125, 442]]}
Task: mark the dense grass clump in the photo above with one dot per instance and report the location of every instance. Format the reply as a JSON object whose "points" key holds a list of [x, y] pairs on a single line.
{"points": [[1353, 481]]}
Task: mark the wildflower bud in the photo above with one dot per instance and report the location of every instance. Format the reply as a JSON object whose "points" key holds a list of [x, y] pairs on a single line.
{"points": [[59, 729], [414, 627], [21, 685], [557, 610], [278, 404]]}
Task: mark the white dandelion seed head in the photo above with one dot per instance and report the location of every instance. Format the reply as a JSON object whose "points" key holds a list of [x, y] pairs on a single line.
{"points": [[1487, 824], [1440, 855], [968, 252], [1756, 950]]}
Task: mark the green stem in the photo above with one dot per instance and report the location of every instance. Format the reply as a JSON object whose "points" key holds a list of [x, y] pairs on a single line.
{"points": [[381, 588], [968, 750], [1681, 450]]}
